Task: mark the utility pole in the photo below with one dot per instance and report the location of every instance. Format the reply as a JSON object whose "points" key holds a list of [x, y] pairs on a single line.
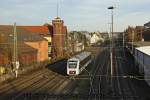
{"points": [[14, 47], [15, 52]]}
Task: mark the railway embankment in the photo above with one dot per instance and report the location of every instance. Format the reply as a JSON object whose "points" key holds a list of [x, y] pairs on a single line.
{"points": [[10, 75]]}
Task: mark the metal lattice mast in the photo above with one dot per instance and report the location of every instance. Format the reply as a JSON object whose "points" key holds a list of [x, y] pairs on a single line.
{"points": [[57, 8]]}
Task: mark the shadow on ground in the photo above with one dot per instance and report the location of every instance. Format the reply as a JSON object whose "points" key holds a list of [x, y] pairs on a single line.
{"points": [[59, 67]]}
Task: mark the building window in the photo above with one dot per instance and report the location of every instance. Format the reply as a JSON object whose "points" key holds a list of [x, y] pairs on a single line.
{"points": [[49, 44], [49, 54]]}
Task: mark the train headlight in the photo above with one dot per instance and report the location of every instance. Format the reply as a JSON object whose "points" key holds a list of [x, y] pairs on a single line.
{"points": [[72, 72]]}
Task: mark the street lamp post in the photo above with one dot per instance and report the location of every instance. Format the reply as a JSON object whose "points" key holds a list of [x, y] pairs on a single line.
{"points": [[111, 54]]}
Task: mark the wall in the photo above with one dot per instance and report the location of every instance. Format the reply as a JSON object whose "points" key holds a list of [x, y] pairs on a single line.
{"points": [[42, 47], [3, 58], [49, 39], [28, 58]]}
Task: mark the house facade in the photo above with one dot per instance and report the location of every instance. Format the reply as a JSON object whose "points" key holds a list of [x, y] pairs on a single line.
{"points": [[30, 47]]}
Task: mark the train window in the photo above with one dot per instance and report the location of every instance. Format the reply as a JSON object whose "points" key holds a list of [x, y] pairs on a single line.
{"points": [[72, 65]]}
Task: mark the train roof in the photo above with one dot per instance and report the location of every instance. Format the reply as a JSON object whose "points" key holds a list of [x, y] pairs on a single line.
{"points": [[144, 49], [81, 55]]}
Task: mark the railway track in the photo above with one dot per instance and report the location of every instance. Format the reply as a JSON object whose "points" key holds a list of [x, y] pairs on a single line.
{"points": [[44, 82], [20, 80], [96, 87], [34, 87], [128, 81], [22, 86], [126, 92], [10, 86], [102, 80], [118, 87]]}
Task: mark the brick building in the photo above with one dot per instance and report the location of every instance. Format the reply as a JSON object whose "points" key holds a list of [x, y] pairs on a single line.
{"points": [[42, 47], [27, 53], [45, 31], [59, 37], [134, 33]]}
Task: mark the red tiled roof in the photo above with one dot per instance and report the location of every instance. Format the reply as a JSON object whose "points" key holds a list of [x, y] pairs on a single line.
{"points": [[23, 34], [43, 30]]}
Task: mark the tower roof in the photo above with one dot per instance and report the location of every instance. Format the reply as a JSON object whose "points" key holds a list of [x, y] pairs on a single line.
{"points": [[57, 18]]}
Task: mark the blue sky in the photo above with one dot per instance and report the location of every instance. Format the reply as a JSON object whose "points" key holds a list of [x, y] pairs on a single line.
{"points": [[90, 15]]}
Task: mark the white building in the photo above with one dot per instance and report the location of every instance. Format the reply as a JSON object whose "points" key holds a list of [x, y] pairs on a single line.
{"points": [[96, 37], [78, 47]]}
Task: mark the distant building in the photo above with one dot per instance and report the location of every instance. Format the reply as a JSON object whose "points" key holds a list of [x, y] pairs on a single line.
{"points": [[146, 35], [104, 35], [77, 41], [146, 32], [134, 33], [147, 25], [94, 39], [78, 47]]}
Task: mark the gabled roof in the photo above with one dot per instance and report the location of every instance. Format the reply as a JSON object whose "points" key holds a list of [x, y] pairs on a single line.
{"points": [[22, 34], [42, 30]]}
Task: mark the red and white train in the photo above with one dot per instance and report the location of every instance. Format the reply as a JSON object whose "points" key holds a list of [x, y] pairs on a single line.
{"points": [[78, 63]]}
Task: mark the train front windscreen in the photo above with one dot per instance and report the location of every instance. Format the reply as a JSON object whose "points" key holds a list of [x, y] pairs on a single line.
{"points": [[72, 64]]}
